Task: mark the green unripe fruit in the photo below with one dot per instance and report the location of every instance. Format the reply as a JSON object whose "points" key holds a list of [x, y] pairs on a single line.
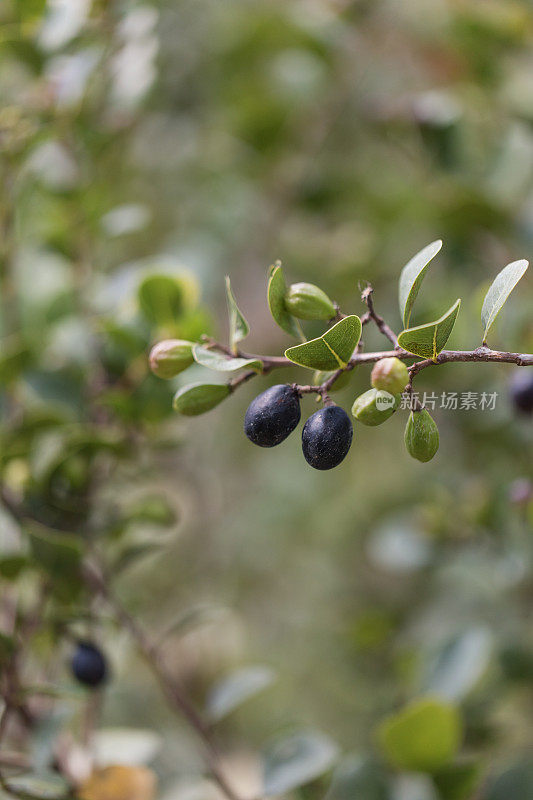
{"points": [[197, 398], [375, 406], [341, 382], [421, 435], [306, 301], [391, 375], [169, 358]]}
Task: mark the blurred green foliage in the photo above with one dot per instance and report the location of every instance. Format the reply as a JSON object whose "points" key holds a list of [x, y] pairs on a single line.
{"points": [[148, 149]]}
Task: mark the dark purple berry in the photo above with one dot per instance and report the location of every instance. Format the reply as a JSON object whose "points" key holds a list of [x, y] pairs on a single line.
{"points": [[89, 665], [272, 415], [326, 437], [522, 390]]}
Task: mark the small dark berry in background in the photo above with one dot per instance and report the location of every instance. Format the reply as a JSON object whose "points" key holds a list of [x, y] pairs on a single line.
{"points": [[521, 389], [89, 665], [272, 415], [326, 437]]}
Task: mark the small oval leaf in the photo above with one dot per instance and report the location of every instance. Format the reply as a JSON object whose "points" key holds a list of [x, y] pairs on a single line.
{"points": [[276, 292], [330, 351], [297, 760], [235, 689], [197, 398], [428, 340], [412, 276], [220, 362], [501, 288], [48, 786], [423, 737], [238, 326], [161, 299]]}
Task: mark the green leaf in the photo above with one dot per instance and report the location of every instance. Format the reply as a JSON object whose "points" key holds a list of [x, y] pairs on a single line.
{"points": [[12, 566], [499, 291], [197, 398], [221, 363], [412, 276], [161, 298], [235, 689], [59, 555], [297, 760], [358, 779], [238, 327], [423, 737], [428, 340], [459, 781], [458, 666], [276, 291], [134, 553], [48, 786], [330, 351]]}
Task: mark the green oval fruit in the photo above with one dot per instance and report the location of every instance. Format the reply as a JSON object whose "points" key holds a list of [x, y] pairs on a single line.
{"points": [[306, 301], [391, 375], [342, 381], [197, 398], [375, 406], [169, 358], [421, 435]]}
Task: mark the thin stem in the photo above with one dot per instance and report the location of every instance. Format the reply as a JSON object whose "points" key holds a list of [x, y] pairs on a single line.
{"points": [[173, 692], [385, 329], [481, 354]]}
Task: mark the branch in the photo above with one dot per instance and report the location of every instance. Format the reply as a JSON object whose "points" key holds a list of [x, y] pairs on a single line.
{"points": [[173, 692], [371, 314], [483, 354], [480, 354]]}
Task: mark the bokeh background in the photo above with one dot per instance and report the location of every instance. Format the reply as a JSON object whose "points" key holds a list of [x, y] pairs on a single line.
{"points": [[199, 138]]}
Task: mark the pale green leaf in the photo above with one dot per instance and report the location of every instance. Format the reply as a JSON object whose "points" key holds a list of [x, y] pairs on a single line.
{"points": [[499, 291], [428, 340], [220, 362], [161, 299], [330, 351], [238, 326], [276, 292], [457, 667], [197, 398], [297, 760], [423, 737], [412, 276], [58, 554], [48, 786], [235, 689]]}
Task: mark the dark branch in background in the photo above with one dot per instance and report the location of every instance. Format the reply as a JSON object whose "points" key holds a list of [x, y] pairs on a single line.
{"points": [[176, 696], [100, 586]]}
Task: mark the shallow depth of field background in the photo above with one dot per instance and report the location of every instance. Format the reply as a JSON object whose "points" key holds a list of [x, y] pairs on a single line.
{"points": [[341, 137]]}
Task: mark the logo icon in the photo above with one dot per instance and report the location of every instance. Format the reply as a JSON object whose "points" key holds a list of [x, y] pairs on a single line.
{"points": [[384, 400]]}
